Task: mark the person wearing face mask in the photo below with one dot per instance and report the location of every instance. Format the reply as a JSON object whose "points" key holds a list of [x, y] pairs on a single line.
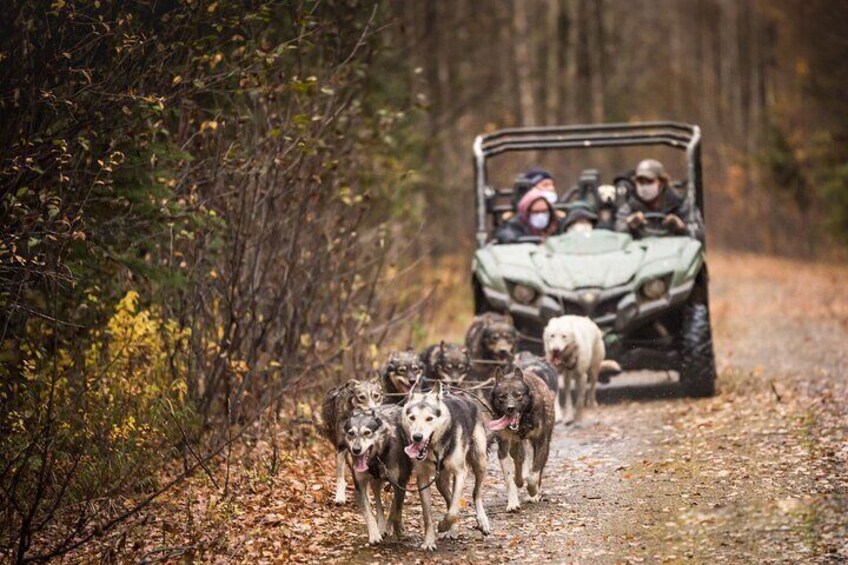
{"points": [[536, 217], [542, 179], [653, 194]]}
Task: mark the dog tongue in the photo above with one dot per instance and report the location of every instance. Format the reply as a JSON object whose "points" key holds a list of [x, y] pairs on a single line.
{"points": [[499, 424], [414, 449], [361, 464], [502, 422]]}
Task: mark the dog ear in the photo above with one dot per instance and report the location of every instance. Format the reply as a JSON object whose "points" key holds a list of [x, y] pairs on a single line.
{"points": [[464, 350], [499, 374], [438, 390], [442, 347], [518, 373], [415, 388], [352, 383]]}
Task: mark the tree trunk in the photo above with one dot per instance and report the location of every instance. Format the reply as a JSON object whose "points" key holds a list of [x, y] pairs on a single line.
{"points": [[524, 70]]}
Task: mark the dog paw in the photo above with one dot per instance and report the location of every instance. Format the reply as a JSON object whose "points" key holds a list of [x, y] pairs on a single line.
{"points": [[429, 545], [513, 506], [534, 498], [449, 534], [340, 499], [375, 538], [447, 523], [483, 526]]}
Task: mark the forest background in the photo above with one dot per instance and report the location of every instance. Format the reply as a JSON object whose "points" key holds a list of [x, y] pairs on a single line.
{"points": [[207, 205]]}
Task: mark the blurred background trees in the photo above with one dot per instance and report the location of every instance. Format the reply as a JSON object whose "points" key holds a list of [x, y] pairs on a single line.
{"points": [[765, 80], [208, 203]]}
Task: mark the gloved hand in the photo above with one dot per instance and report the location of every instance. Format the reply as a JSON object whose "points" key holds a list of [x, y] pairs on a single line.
{"points": [[635, 220], [674, 223]]}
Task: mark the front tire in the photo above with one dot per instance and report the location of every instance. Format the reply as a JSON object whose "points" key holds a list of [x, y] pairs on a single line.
{"points": [[697, 364]]}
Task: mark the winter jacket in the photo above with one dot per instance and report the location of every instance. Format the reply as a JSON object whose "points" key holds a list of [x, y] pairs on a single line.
{"points": [[672, 203]]}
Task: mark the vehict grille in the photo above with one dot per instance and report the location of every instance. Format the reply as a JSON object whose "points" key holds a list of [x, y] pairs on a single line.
{"points": [[573, 308]]}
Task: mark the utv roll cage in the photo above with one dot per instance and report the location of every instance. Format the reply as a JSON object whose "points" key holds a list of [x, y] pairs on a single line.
{"points": [[677, 135]]}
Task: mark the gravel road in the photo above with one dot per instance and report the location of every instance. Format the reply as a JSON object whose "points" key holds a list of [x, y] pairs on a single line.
{"points": [[756, 474]]}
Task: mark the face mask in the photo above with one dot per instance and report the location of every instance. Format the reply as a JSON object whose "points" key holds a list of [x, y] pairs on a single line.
{"points": [[648, 192], [551, 197], [540, 220]]}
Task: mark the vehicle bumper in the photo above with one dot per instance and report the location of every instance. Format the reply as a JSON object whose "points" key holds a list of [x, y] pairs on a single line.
{"points": [[626, 313]]}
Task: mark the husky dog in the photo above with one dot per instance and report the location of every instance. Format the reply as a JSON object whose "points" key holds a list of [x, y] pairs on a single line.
{"points": [[339, 404], [540, 367], [523, 406], [491, 341], [446, 362], [373, 438], [400, 371], [575, 346], [445, 437]]}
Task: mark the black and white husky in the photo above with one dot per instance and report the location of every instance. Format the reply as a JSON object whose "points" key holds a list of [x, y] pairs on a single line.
{"points": [[445, 437], [373, 439]]}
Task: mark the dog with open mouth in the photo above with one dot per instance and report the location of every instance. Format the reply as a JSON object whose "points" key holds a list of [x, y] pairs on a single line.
{"points": [[374, 441], [491, 341], [523, 406], [339, 404], [444, 438], [399, 373]]}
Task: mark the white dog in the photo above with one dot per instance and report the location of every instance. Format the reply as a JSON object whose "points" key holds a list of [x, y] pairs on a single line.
{"points": [[575, 346]]}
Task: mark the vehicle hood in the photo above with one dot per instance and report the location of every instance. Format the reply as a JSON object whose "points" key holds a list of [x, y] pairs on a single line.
{"points": [[597, 259]]}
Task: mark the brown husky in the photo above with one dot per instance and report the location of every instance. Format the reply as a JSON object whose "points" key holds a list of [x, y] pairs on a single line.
{"points": [[523, 406], [491, 340]]}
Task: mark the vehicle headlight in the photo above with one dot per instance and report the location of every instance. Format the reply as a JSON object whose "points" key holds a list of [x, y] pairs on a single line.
{"points": [[523, 294], [654, 289]]}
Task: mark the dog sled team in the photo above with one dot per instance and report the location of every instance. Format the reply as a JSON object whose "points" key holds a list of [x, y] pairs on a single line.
{"points": [[434, 415]]}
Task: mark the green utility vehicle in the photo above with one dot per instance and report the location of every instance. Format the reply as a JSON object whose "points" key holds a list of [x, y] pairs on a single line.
{"points": [[649, 295]]}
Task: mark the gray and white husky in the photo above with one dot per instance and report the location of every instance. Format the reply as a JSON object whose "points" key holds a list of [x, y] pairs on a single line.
{"points": [[373, 439], [338, 406], [444, 438]]}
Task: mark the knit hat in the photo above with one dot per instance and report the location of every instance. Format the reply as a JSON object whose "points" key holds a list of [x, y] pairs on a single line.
{"points": [[537, 175]]}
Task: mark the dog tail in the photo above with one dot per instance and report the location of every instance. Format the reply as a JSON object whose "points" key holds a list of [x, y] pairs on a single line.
{"points": [[609, 368]]}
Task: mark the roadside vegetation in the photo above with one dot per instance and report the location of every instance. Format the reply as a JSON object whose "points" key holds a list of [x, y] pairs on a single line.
{"points": [[213, 209]]}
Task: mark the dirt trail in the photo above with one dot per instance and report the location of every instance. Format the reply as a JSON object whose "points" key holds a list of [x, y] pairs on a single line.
{"points": [[756, 474]]}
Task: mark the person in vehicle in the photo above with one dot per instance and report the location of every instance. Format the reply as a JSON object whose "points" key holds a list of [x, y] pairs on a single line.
{"points": [[653, 193], [579, 218], [536, 217], [542, 179]]}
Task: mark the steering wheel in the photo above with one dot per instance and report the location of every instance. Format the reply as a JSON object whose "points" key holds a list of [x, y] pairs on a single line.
{"points": [[654, 224], [528, 239]]}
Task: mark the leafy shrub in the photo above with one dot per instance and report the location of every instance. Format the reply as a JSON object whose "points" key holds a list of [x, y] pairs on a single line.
{"points": [[113, 416]]}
